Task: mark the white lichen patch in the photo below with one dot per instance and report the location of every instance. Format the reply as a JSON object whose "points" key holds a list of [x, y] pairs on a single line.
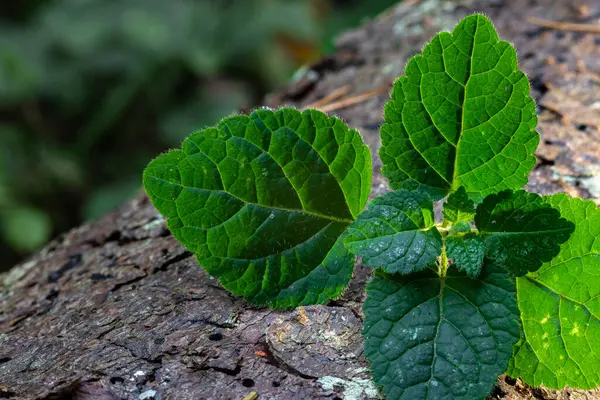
{"points": [[588, 179], [148, 394], [353, 389], [592, 184], [155, 223], [18, 272]]}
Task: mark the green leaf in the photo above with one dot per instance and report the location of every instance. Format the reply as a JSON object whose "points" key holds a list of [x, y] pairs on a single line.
{"points": [[521, 230], [25, 228], [462, 116], [461, 227], [262, 200], [323, 283], [458, 208], [466, 252], [432, 338], [396, 233], [560, 308]]}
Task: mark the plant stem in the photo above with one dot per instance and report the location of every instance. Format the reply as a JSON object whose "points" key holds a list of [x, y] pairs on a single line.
{"points": [[445, 229], [443, 258], [443, 263]]}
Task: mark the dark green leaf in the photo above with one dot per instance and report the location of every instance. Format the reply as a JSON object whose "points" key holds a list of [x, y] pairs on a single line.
{"points": [[396, 233], [560, 308], [461, 227], [432, 338], [263, 199], [462, 116], [466, 252], [458, 208], [323, 283], [521, 231]]}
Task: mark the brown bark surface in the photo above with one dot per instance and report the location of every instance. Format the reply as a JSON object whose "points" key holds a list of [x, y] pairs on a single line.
{"points": [[118, 309]]}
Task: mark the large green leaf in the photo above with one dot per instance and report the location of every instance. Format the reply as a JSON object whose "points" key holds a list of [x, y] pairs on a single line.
{"points": [[462, 116], [440, 338], [560, 308], [262, 200], [521, 230], [396, 233]]}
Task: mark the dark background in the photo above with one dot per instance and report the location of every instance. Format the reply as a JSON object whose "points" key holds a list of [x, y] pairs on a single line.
{"points": [[91, 90]]}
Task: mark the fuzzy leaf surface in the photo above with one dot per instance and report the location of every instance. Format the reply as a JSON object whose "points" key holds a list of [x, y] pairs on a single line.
{"points": [[440, 338], [396, 233], [263, 199], [458, 208], [466, 252], [461, 116], [560, 308], [521, 230]]}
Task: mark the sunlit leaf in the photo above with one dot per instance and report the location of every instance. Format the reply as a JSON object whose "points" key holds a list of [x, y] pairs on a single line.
{"points": [[263, 199], [462, 116], [560, 308]]}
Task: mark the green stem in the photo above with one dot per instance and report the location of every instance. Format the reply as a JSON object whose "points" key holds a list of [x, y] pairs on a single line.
{"points": [[445, 229], [443, 264], [443, 259]]}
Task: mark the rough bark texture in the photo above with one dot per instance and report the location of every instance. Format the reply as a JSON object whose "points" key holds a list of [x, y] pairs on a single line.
{"points": [[118, 309]]}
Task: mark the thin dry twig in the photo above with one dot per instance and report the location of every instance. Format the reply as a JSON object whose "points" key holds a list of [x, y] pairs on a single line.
{"points": [[348, 101], [336, 94], [565, 26]]}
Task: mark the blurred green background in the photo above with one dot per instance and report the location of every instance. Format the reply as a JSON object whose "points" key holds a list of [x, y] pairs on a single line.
{"points": [[91, 90]]}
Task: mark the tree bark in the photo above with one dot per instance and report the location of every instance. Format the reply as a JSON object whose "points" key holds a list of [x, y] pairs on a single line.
{"points": [[118, 309]]}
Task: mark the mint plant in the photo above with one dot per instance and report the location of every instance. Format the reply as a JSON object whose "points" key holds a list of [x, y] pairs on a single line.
{"points": [[507, 281]]}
